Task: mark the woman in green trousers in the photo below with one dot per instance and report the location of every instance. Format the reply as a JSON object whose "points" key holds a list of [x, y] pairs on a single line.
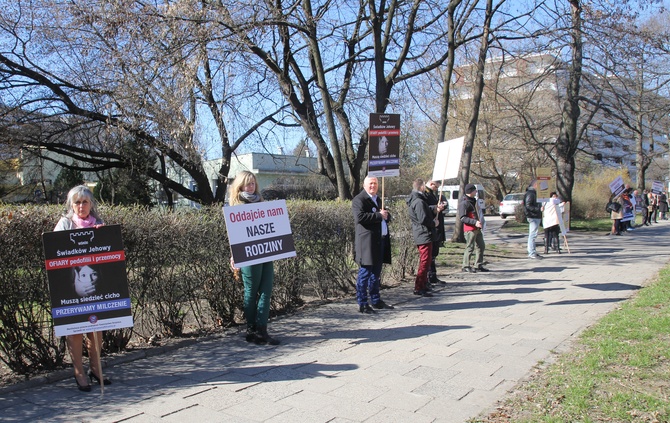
{"points": [[257, 278]]}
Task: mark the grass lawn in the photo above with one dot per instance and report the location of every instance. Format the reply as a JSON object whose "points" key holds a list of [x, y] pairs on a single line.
{"points": [[593, 225], [619, 370], [451, 254]]}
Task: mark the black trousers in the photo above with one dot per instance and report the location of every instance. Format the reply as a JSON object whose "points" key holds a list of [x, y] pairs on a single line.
{"points": [[645, 215], [432, 271]]}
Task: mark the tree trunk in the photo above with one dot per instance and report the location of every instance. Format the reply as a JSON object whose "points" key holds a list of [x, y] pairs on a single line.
{"points": [[642, 161], [567, 142], [469, 142], [318, 69], [448, 72]]}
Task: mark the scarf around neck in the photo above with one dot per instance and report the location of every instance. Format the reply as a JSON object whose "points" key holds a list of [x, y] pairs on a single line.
{"points": [[88, 222], [249, 198]]}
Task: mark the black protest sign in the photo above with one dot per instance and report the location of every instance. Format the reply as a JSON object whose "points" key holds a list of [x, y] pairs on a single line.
{"points": [[86, 270], [384, 145]]}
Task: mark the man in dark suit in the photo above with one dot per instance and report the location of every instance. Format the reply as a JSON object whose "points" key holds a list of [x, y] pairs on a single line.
{"points": [[372, 245]]}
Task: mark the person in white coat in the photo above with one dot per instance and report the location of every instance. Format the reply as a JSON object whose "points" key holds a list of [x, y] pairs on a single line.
{"points": [[552, 222]]}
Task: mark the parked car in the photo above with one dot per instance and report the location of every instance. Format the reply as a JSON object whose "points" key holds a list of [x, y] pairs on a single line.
{"points": [[451, 192], [509, 203]]}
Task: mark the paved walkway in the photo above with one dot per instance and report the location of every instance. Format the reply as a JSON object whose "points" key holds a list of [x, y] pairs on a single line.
{"points": [[441, 359]]}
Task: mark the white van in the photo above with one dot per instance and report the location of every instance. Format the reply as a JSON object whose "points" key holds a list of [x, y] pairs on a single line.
{"points": [[451, 192]]}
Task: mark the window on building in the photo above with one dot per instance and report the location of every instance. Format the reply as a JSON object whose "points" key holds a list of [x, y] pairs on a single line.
{"points": [[508, 70], [532, 68]]}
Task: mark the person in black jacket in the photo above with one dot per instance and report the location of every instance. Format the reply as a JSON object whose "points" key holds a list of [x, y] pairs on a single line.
{"points": [[424, 234], [533, 211], [644, 203], [663, 206], [437, 204], [372, 245], [469, 214]]}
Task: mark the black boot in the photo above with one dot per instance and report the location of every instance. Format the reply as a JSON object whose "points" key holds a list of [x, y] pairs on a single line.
{"points": [[262, 337], [251, 334], [547, 241]]}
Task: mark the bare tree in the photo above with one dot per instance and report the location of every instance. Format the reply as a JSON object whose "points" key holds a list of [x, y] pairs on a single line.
{"points": [[130, 72], [147, 71], [567, 141], [589, 24], [637, 88], [355, 55], [582, 89]]}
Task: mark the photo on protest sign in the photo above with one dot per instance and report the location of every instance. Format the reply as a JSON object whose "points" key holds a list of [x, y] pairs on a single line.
{"points": [[88, 283], [259, 232], [448, 159], [384, 145]]}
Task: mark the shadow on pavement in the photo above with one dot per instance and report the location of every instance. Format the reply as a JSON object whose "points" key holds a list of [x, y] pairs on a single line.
{"points": [[520, 282], [608, 251], [589, 301], [391, 334], [534, 269], [467, 305], [549, 269], [521, 290], [275, 373], [610, 286]]}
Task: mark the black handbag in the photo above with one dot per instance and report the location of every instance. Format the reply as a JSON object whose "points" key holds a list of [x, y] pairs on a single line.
{"points": [[613, 207]]}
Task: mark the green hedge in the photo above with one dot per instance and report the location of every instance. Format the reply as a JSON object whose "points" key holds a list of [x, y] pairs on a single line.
{"points": [[178, 272]]}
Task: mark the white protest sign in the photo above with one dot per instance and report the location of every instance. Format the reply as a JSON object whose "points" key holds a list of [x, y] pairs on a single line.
{"points": [[657, 187], [259, 232], [617, 186], [448, 159]]}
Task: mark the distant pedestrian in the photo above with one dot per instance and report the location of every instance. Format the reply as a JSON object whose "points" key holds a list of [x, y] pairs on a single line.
{"points": [[533, 211], [481, 209], [663, 206], [653, 207], [258, 279], [424, 234], [471, 215], [372, 245], [636, 198], [644, 208], [438, 205], [628, 213], [552, 221], [616, 215]]}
